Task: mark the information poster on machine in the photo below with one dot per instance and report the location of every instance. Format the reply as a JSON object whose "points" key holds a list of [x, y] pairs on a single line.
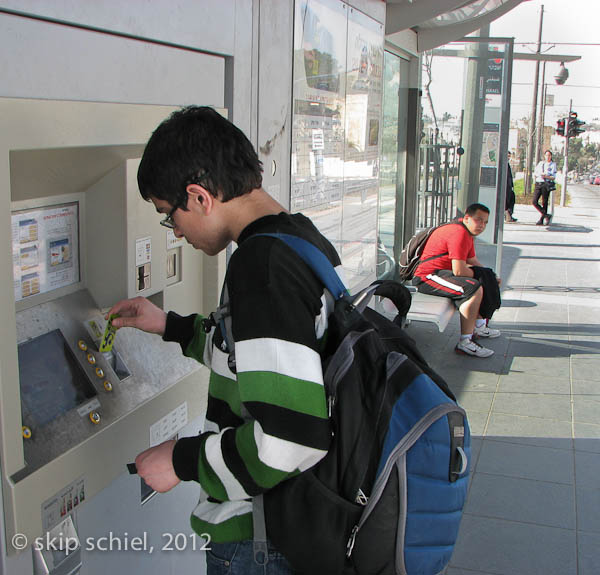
{"points": [[338, 88], [45, 249]]}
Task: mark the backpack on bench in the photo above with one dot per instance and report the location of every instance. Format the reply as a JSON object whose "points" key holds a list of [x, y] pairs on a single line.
{"points": [[388, 496]]}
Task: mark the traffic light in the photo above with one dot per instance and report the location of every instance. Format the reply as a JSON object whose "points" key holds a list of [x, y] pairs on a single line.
{"points": [[560, 127], [575, 126]]}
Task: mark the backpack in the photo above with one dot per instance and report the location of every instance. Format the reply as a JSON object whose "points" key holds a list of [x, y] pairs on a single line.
{"points": [[410, 256], [388, 496]]}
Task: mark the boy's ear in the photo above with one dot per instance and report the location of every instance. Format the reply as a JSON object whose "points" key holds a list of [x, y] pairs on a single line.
{"points": [[201, 195]]}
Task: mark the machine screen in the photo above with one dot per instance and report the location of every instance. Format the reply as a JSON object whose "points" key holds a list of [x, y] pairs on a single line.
{"points": [[52, 381], [45, 247]]}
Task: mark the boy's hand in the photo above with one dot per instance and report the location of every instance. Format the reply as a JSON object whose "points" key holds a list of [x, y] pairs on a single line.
{"points": [[139, 313], [155, 467]]}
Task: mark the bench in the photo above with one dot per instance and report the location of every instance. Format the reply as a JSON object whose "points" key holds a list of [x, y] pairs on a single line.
{"points": [[430, 308]]}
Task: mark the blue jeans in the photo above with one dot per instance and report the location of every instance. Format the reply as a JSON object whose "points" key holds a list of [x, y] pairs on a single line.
{"points": [[238, 559]]}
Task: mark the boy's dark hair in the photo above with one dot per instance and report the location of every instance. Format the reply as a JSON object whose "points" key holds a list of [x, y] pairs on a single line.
{"points": [[197, 145], [474, 207]]}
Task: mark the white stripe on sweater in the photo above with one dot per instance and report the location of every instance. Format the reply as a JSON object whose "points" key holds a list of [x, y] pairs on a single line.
{"points": [[216, 513], [282, 454], [214, 456], [220, 363], [279, 356]]}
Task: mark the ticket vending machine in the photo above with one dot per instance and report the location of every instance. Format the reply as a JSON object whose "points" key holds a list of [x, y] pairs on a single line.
{"points": [[78, 237]]}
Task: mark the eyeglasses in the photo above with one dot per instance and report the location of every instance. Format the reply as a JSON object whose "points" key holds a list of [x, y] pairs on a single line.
{"points": [[168, 222]]}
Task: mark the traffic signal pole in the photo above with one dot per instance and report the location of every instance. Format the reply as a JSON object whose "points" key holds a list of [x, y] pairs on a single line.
{"points": [[563, 191], [532, 123]]}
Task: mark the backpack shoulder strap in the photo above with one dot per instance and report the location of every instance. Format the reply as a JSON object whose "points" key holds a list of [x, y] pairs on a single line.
{"points": [[316, 260]]}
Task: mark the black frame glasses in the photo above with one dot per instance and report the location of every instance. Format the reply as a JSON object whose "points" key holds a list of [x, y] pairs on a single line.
{"points": [[167, 221]]}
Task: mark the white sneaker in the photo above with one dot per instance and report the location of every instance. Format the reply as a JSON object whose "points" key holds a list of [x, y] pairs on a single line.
{"points": [[470, 347], [485, 331]]}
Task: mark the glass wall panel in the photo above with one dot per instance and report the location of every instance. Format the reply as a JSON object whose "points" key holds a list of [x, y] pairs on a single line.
{"points": [[336, 141], [390, 205]]}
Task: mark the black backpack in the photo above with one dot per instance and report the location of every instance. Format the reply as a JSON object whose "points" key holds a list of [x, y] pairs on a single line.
{"points": [[388, 496], [410, 257]]}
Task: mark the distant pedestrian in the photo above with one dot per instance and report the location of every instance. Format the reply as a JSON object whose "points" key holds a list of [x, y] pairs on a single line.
{"points": [[509, 204], [545, 174]]}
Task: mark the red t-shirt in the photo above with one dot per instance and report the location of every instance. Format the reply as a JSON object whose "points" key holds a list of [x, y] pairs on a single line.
{"points": [[454, 240]]}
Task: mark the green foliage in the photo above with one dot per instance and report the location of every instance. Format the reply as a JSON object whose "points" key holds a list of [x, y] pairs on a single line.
{"points": [[581, 156], [523, 198]]}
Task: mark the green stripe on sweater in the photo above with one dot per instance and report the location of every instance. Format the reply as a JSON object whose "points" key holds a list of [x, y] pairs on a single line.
{"points": [[284, 391]]}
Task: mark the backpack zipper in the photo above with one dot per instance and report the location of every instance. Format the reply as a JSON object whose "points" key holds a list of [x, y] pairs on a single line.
{"points": [[407, 442]]}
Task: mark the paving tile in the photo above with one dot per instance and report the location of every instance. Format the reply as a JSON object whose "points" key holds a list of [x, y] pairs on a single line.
{"points": [[475, 400], [533, 347], [588, 509], [545, 338], [588, 545], [585, 369], [526, 461], [505, 547], [557, 407], [586, 409], [455, 571], [552, 366], [476, 443], [530, 431], [477, 421], [587, 470], [586, 387], [582, 350], [529, 383], [453, 361], [587, 437], [546, 313], [522, 500], [460, 380]]}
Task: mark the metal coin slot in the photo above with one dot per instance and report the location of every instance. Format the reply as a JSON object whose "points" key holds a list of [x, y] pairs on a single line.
{"points": [[114, 359]]}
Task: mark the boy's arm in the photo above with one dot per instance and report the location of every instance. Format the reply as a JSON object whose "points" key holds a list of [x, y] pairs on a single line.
{"points": [[285, 427]]}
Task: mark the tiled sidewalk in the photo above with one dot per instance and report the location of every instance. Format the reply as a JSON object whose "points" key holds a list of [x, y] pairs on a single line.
{"points": [[534, 406]]}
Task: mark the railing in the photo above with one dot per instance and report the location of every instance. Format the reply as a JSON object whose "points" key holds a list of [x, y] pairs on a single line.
{"points": [[436, 197]]}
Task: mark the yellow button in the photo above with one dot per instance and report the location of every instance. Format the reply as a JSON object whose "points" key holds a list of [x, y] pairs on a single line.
{"points": [[94, 417], [99, 372], [26, 432], [82, 345], [108, 385], [91, 358]]}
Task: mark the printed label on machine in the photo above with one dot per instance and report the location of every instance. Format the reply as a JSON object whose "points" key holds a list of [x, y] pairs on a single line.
{"points": [[57, 507], [166, 427], [143, 251]]}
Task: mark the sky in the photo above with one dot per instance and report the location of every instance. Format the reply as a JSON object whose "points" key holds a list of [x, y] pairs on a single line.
{"points": [[565, 24], [565, 21]]}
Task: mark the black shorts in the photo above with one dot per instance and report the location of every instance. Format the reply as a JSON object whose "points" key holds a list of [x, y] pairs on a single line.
{"points": [[444, 284]]}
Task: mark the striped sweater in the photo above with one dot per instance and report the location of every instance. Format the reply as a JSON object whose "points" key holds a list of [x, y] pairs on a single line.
{"points": [[268, 421]]}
